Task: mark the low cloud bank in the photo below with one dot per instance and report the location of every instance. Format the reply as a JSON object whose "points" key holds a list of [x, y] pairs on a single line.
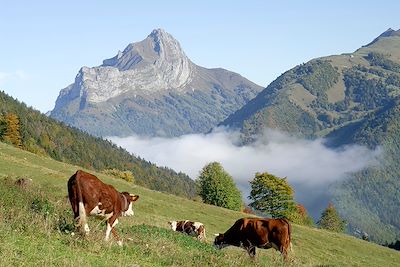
{"points": [[310, 166]]}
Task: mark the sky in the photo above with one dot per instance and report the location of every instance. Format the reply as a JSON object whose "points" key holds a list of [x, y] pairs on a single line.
{"points": [[44, 43]]}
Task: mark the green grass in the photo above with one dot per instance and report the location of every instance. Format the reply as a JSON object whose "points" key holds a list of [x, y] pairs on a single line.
{"points": [[35, 225]]}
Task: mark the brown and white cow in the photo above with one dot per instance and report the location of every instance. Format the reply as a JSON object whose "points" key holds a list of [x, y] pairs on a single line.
{"points": [[252, 233], [23, 182], [90, 196], [191, 228]]}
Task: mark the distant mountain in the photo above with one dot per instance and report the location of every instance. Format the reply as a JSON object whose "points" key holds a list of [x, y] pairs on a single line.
{"points": [[45, 136], [151, 88], [349, 99]]}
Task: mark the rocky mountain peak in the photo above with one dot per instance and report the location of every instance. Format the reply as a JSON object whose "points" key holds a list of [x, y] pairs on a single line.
{"points": [[155, 63], [160, 34], [151, 88], [159, 46]]}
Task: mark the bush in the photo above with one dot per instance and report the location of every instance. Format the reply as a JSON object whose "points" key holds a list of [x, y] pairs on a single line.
{"points": [[42, 206], [65, 222], [125, 175]]}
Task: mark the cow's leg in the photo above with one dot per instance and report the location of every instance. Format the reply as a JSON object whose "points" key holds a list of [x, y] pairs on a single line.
{"points": [[111, 223], [115, 234], [284, 251], [281, 248]]}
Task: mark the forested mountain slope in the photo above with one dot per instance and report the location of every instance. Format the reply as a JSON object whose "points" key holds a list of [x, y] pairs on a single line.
{"points": [[45, 136], [349, 99]]}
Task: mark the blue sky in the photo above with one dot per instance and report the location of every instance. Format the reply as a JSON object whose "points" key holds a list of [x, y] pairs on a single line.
{"points": [[44, 43]]}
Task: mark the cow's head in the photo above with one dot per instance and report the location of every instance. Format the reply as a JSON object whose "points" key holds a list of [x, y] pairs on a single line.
{"points": [[219, 241], [130, 198], [173, 224]]}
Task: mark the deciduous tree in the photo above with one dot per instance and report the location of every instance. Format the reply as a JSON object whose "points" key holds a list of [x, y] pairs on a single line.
{"points": [[272, 195], [301, 216], [216, 187], [12, 132]]}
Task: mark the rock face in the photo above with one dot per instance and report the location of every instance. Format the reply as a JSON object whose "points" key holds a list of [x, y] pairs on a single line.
{"points": [[151, 88]]}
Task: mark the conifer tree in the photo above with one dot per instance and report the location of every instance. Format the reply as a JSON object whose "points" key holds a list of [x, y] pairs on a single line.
{"points": [[331, 220], [3, 126], [216, 187], [272, 195]]}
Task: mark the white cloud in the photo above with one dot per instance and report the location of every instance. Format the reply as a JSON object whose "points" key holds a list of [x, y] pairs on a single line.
{"points": [[309, 165]]}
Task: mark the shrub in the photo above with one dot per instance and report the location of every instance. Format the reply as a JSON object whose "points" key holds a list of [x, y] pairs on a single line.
{"points": [[125, 175]]}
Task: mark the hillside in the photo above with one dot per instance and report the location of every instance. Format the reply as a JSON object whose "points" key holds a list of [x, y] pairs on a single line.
{"points": [[151, 88], [35, 224], [348, 99], [45, 136]]}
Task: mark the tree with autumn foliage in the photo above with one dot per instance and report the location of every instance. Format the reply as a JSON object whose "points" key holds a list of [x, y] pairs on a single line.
{"points": [[11, 130], [330, 220], [301, 216], [272, 195]]}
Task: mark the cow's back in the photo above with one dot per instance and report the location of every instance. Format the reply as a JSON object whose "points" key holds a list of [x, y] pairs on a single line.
{"points": [[88, 189]]}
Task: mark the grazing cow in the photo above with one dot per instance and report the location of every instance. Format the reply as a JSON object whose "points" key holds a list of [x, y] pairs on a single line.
{"points": [[90, 196], [250, 233], [191, 228], [23, 182]]}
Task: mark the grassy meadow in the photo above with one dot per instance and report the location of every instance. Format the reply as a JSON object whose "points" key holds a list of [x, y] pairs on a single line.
{"points": [[36, 224]]}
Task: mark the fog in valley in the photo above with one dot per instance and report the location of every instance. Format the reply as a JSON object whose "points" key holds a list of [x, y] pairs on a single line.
{"points": [[309, 165]]}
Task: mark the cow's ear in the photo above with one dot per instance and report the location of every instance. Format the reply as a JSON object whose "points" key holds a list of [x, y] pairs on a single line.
{"points": [[170, 222], [134, 197]]}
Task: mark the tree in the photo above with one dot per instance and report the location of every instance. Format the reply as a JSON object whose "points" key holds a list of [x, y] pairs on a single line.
{"points": [[216, 187], [3, 126], [331, 220], [301, 216], [272, 195], [12, 132]]}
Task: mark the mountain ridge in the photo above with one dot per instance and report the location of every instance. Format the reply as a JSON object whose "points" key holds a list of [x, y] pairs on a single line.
{"points": [[151, 88]]}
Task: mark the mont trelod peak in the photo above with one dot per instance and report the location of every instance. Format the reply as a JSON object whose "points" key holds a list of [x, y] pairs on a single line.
{"points": [[151, 88]]}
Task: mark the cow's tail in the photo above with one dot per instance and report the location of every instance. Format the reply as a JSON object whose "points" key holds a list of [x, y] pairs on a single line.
{"points": [[289, 244], [82, 220]]}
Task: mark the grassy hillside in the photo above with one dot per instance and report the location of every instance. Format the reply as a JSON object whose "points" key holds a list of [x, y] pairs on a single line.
{"points": [[35, 224]]}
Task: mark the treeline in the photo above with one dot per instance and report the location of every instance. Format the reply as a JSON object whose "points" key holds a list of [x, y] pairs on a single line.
{"points": [[33, 131], [394, 245], [381, 60]]}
